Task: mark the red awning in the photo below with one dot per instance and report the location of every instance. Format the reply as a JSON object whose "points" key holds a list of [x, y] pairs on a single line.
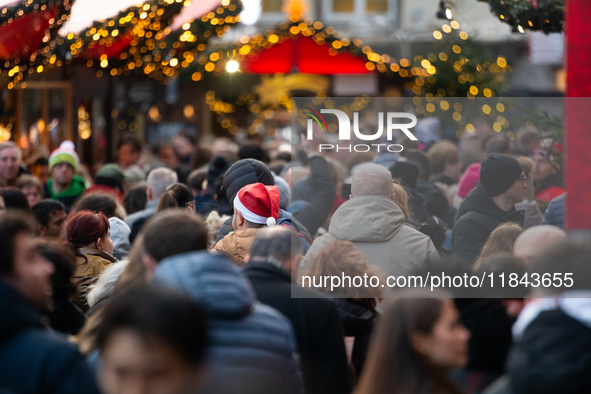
{"points": [[302, 54], [22, 37]]}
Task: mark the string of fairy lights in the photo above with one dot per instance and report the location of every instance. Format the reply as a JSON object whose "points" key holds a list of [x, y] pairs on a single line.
{"points": [[537, 15], [56, 12], [153, 48], [458, 68], [140, 38]]}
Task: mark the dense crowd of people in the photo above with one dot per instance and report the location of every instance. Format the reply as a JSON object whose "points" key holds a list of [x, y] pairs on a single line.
{"points": [[179, 270]]}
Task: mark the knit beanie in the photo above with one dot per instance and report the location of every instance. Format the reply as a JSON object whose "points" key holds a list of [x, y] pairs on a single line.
{"points": [[218, 166], [498, 173], [469, 179], [112, 172], [408, 173], [64, 154]]}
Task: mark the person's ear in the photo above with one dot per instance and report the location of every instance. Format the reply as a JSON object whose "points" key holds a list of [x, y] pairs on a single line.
{"points": [[150, 263], [99, 244], [41, 230], [350, 196], [241, 219], [149, 193], [246, 258], [393, 196], [419, 342]]}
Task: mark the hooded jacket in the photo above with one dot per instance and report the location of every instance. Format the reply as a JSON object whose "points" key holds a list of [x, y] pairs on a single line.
{"points": [[33, 359], [375, 225], [246, 338], [477, 217], [552, 351], [120, 232], [316, 323]]}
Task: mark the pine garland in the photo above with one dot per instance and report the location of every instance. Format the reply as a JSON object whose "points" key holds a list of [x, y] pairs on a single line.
{"points": [[537, 15], [16, 68]]}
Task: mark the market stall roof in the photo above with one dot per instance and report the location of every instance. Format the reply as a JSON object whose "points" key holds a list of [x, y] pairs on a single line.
{"points": [[302, 54], [157, 36], [297, 45]]}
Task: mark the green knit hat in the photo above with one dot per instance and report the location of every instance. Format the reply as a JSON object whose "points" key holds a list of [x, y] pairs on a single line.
{"points": [[64, 154]]}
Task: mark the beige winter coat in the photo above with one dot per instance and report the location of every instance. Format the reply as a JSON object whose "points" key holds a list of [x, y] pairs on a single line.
{"points": [[236, 245], [375, 225]]}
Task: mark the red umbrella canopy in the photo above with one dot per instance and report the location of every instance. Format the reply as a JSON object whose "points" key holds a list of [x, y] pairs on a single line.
{"points": [[302, 54]]}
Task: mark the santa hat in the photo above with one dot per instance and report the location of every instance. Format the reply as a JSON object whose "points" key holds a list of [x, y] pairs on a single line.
{"points": [[258, 203], [64, 154]]}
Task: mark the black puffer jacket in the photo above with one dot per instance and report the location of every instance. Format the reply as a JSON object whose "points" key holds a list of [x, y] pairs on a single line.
{"points": [[316, 323], [477, 218], [33, 359], [357, 321], [437, 204], [552, 356]]}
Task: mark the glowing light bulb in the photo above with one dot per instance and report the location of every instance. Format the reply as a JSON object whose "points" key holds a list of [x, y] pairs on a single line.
{"points": [[232, 66]]}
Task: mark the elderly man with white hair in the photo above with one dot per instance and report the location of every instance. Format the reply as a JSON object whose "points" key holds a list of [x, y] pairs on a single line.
{"points": [[374, 223], [158, 181], [10, 156]]}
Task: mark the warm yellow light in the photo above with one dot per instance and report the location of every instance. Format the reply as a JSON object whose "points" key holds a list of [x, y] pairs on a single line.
{"points": [[437, 34], [486, 109], [470, 128], [500, 107], [232, 66]]}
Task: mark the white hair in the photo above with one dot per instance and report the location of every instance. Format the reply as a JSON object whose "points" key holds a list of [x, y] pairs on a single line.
{"points": [[160, 179], [10, 144], [372, 180], [106, 282]]}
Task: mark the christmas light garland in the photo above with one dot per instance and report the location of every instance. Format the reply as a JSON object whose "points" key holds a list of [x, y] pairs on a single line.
{"points": [[537, 15], [153, 48], [17, 68]]}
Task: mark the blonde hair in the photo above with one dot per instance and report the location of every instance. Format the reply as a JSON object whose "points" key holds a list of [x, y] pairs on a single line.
{"points": [[500, 240], [214, 223], [343, 258], [442, 153], [401, 199], [527, 164]]}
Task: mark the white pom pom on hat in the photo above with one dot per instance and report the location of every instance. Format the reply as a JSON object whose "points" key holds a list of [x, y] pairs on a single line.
{"points": [[271, 221]]}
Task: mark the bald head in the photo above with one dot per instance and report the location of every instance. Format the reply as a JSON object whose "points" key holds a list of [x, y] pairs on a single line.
{"points": [[279, 243], [372, 180], [529, 243]]}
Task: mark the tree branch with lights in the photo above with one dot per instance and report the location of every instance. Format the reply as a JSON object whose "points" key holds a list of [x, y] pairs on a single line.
{"points": [[536, 15]]}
